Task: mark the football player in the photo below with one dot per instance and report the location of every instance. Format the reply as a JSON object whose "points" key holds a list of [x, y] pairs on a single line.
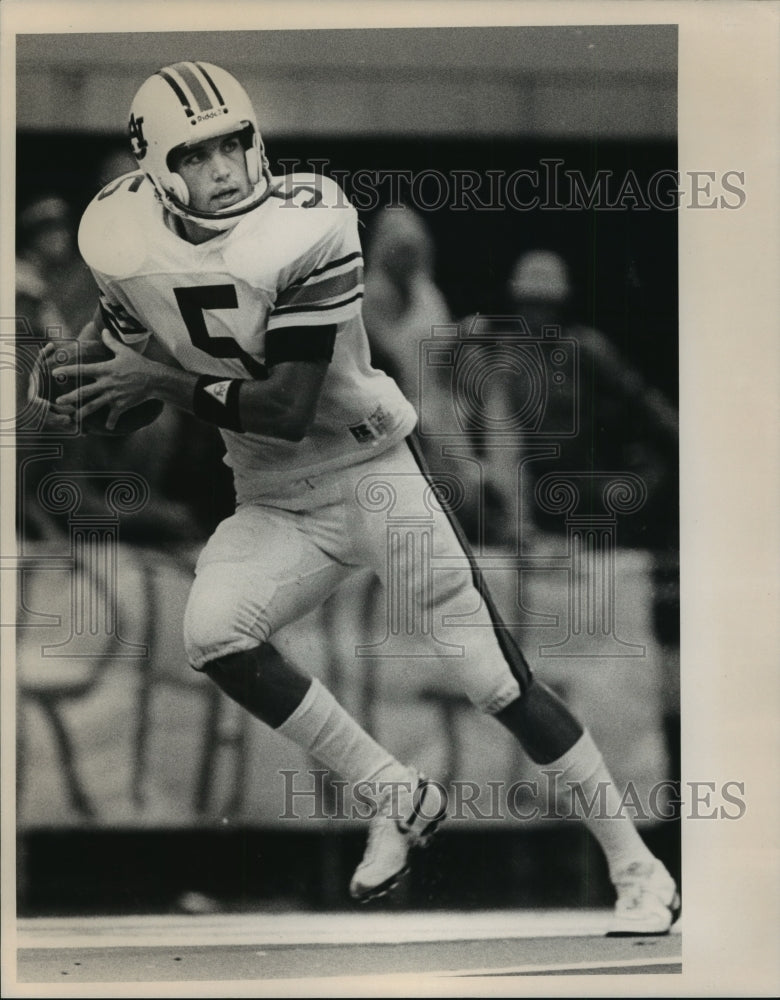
{"points": [[252, 285]]}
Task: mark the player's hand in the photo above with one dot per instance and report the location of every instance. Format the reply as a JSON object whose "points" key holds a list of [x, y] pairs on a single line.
{"points": [[41, 413], [124, 381]]}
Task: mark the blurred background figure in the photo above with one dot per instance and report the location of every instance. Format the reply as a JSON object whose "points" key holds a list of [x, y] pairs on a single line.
{"points": [[402, 300], [624, 423], [117, 162], [540, 290], [539, 282], [46, 259], [55, 297], [54, 286], [41, 241], [401, 306]]}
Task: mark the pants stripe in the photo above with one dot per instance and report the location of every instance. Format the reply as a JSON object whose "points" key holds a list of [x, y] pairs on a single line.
{"points": [[512, 653]]}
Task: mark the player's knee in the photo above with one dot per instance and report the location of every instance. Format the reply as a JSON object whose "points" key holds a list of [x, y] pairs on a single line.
{"points": [[490, 692], [455, 592], [219, 621], [261, 681]]}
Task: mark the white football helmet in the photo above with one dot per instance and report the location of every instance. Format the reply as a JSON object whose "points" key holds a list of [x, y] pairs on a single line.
{"points": [[183, 104]]}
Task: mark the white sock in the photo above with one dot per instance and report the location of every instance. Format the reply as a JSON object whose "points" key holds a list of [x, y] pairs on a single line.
{"points": [[322, 727], [612, 826]]}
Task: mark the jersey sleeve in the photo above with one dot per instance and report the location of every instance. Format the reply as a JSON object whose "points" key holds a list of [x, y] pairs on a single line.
{"points": [[117, 317], [321, 290], [112, 243]]}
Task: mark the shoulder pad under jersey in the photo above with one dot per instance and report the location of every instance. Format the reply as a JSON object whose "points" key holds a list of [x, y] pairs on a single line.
{"points": [[306, 217], [117, 225]]}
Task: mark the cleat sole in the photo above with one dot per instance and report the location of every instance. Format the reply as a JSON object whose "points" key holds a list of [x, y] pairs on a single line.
{"points": [[675, 908], [627, 934], [417, 840], [383, 889]]}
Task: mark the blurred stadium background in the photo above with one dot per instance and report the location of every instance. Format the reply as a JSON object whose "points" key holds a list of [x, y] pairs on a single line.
{"points": [[140, 787]]}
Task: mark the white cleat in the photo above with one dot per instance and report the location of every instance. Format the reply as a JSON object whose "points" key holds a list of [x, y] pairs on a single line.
{"points": [[406, 819], [648, 902]]}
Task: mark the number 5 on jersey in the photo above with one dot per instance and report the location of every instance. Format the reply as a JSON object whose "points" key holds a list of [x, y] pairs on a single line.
{"points": [[192, 301]]}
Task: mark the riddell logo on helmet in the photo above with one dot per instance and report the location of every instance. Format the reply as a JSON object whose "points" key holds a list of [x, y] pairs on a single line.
{"points": [[210, 114]]}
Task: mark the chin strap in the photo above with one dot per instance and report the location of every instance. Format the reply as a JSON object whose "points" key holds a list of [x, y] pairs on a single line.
{"points": [[228, 217]]}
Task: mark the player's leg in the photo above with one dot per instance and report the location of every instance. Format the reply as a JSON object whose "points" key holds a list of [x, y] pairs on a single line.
{"points": [[258, 573], [497, 678], [647, 897], [548, 731]]}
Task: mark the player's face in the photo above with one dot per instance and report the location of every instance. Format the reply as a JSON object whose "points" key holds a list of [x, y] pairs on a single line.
{"points": [[215, 173]]}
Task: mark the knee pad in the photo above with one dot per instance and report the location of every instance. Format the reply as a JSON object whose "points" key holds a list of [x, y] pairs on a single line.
{"points": [[542, 723], [220, 620]]}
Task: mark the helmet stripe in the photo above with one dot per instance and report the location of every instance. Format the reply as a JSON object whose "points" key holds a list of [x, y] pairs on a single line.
{"points": [[187, 74], [177, 90], [202, 68]]}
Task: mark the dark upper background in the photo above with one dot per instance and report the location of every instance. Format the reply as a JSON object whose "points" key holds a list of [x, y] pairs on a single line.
{"points": [[597, 98]]}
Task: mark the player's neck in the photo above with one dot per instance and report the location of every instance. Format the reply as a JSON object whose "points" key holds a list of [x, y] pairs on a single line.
{"points": [[192, 232]]}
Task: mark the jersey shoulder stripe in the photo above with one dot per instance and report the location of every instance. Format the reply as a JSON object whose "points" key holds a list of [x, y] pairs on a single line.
{"points": [[330, 266], [304, 312], [325, 287], [325, 283]]}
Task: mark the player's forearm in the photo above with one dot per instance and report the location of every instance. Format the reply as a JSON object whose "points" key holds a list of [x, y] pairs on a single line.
{"points": [[171, 385], [281, 406], [284, 405], [260, 407], [271, 409]]}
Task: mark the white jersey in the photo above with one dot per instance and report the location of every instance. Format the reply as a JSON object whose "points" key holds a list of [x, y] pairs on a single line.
{"points": [[284, 280]]}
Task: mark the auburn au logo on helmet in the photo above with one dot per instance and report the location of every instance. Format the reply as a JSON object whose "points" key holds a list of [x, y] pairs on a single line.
{"points": [[184, 104]]}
